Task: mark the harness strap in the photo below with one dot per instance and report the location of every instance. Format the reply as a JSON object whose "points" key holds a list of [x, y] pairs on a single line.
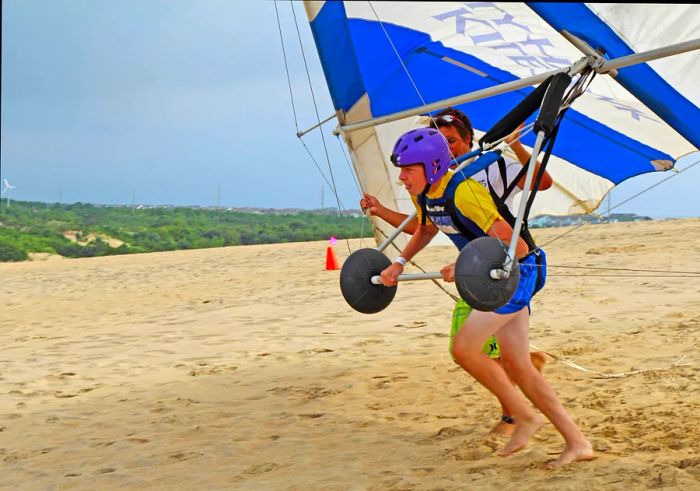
{"points": [[502, 207], [502, 171], [501, 200], [482, 163], [545, 161]]}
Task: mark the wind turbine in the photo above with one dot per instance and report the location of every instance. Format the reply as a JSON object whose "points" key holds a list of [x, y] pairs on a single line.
{"points": [[5, 190]]}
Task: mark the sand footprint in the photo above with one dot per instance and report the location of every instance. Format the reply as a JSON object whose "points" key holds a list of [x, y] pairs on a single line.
{"points": [[215, 369], [184, 455], [65, 395], [433, 335], [314, 350], [369, 341], [138, 440], [261, 468], [61, 376]]}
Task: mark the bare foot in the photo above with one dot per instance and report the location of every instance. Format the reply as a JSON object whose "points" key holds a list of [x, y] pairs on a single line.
{"points": [[573, 453], [524, 429], [503, 429], [538, 359]]}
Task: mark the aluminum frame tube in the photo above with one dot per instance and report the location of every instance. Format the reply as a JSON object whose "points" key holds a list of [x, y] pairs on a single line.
{"points": [[452, 101], [654, 54], [317, 125], [396, 232], [376, 280]]}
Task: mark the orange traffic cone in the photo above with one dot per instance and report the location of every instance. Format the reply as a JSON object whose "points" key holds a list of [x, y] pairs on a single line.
{"points": [[331, 261]]}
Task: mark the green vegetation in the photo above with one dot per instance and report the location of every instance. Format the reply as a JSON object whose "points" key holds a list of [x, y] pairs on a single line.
{"points": [[27, 227]]}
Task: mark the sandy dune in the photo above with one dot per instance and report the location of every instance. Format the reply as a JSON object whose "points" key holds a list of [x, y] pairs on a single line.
{"points": [[243, 368]]}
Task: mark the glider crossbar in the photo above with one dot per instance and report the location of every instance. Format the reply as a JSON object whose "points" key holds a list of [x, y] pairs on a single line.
{"points": [[654, 54], [452, 101]]}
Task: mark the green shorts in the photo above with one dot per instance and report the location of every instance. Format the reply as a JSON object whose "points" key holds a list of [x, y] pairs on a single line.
{"points": [[459, 315]]}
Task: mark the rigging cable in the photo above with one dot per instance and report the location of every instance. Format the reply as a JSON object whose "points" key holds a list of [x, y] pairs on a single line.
{"points": [[291, 97], [318, 118], [347, 161], [356, 180], [603, 268], [627, 200], [284, 55]]}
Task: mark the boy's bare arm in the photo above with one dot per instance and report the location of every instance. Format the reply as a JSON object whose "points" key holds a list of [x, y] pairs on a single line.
{"points": [[394, 218]]}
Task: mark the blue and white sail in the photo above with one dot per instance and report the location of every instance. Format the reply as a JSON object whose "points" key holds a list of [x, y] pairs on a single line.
{"points": [[384, 57]]}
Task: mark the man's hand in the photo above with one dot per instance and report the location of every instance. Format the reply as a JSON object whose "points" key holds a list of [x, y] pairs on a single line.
{"points": [[391, 274], [369, 202], [448, 273]]}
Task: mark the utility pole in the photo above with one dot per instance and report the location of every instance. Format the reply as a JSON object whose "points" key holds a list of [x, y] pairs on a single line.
{"points": [[322, 197], [218, 198], [133, 200]]}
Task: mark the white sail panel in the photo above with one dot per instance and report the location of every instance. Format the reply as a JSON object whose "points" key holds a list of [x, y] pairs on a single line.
{"points": [[650, 26]]}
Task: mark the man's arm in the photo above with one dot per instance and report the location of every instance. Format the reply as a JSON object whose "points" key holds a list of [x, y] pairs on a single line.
{"points": [[524, 157]]}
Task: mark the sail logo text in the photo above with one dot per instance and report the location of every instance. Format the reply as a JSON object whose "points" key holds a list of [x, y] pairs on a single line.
{"points": [[488, 25], [499, 30]]}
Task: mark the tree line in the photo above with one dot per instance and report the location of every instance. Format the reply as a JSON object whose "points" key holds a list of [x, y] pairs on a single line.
{"points": [[28, 227]]}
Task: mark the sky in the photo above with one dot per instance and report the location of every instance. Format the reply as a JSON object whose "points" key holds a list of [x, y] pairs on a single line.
{"points": [[184, 102]]}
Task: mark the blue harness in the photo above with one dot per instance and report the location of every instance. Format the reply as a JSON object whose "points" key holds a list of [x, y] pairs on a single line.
{"points": [[447, 217], [461, 230]]}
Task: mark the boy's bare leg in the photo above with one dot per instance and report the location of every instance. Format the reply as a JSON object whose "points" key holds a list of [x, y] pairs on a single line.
{"points": [[513, 339], [467, 350], [506, 425]]}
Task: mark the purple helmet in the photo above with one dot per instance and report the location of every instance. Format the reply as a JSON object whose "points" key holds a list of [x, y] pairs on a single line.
{"points": [[424, 146]]}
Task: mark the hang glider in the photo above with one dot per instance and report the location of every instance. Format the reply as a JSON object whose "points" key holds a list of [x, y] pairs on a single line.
{"points": [[388, 64]]}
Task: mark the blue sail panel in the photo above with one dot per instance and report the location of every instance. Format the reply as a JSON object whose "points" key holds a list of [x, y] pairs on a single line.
{"points": [[337, 53]]}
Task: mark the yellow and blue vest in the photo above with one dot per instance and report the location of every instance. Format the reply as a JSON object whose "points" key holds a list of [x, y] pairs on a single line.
{"points": [[460, 207]]}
